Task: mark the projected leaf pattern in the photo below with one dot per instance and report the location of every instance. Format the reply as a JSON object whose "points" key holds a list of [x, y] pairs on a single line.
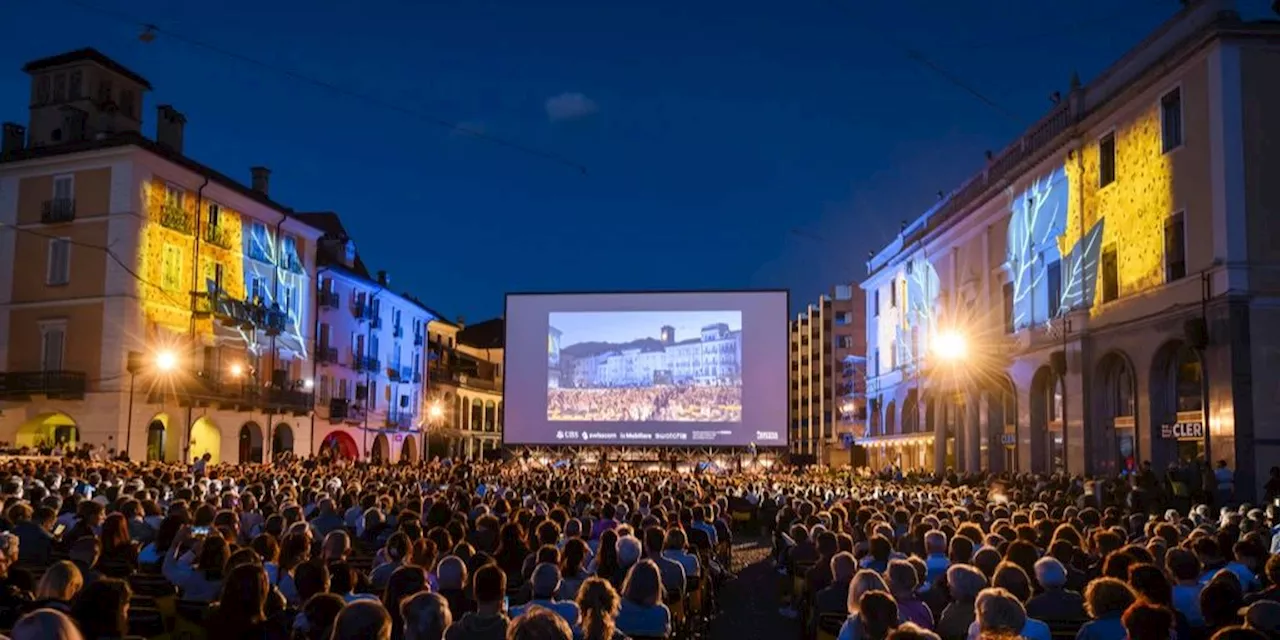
{"points": [[1081, 270], [1038, 219]]}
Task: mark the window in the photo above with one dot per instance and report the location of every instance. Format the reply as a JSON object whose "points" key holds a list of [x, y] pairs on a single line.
{"points": [[893, 295], [876, 304], [173, 196], [1110, 274], [75, 90], [59, 267], [290, 256], [875, 362], [257, 289], [1006, 295], [53, 338], [1053, 274], [1171, 120], [215, 211], [42, 89], [1175, 248], [64, 187], [893, 355], [342, 389], [844, 342], [1107, 160], [325, 392], [322, 336], [373, 395], [104, 91], [126, 103], [212, 276], [171, 267], [59, 87]]}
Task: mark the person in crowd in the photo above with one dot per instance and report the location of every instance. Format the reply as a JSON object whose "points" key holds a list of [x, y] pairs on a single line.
{"points": [[864, 581], [1106, 600], [58, 587], [451, 576], [198, 572], [835, 597], [903, 582], [545, 583], [102, 609], [539, 624], [119, 557], [1147, 621], [599, 604], [362, 620], [241, 610], [877, 615], [642, 611], [672, 572], [395, 551], [315, 620], [1055, 604], [573, 567], [677, 550], [407, 581], [488, 621], [34, 529], [46, 624], [15, 598], [84, 554], [426, 616], [964, 582]]}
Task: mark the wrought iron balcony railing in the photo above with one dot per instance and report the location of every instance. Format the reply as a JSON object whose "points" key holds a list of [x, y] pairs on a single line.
{"points": [[329, 299], [66, 385], [209, 389], [58, 210], [327, 355], [176, 218], [217, 236]]}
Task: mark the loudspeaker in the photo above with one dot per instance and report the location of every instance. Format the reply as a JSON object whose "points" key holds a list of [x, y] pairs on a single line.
{"points": [[1196, 332], [135, 362], [1058, 362]]}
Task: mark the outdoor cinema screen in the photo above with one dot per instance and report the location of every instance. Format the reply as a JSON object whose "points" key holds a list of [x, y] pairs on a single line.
{"points": [[697, 368]]}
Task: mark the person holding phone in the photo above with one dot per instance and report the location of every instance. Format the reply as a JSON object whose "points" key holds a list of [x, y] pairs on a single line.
{"points": [[36, 531]]}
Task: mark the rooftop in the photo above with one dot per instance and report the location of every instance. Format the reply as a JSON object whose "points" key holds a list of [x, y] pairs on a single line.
{"points": [[490, 334], [87, 54]]}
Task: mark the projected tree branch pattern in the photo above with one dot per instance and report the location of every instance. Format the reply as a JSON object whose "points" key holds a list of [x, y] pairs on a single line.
{"points": [[923, 287], [1038, 221], [291, 278]]}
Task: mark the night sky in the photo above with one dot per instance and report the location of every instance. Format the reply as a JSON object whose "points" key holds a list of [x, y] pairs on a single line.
{"points": [[709, 130]]}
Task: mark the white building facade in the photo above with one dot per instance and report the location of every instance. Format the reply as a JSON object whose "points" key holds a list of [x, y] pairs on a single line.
{"points": [[1108, 272]]}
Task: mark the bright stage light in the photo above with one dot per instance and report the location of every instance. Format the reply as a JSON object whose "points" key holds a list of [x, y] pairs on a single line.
{"points": [[950, 345], [166, 361], [308, 384], [236, 370], [435, 411]]}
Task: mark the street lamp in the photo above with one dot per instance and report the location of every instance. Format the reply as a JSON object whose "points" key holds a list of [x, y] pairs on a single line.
{"points": [[434, 413], [163, 362]]}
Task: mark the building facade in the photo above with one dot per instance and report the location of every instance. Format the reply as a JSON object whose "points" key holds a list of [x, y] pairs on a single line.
{"points": [[828, 398], [465, 387], [148, 303], [712, 357], [370, 355], [1108, 273]]}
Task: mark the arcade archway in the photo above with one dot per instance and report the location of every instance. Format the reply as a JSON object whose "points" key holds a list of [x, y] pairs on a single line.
{"points": [[206, 437], [282, 441], [1115, 400], [250, 443], [409, 450], [163, 445], [48, 429], [381, 452], [340, 444]]}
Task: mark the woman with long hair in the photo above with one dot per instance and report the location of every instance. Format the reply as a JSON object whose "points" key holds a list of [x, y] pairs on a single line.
{"points": [[512, 549], [864, 582], [203, 580], [606, 560], [642, 611], [573, 570], [598, 606], [119, 558], [58, 587], [241, 609], [45, 624], [403, 583], [102, 609]]}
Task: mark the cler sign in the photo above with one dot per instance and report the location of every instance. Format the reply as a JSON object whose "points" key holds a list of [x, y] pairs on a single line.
{"points": [[1182, 431]]}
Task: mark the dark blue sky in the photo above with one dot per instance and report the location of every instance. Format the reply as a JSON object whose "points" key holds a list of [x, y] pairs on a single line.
{"points": [[709, 129]]}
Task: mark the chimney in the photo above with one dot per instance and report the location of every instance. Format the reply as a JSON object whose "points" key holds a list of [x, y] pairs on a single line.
{"points": [[461, 322], [382, 278], [261, 179], [15, 137], [169, 126]]}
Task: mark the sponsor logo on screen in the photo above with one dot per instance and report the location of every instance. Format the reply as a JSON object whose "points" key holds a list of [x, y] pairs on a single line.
{"points": [[767, 435]]}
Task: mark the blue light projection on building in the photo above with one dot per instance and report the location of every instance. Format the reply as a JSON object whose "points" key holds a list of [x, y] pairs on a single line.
{"points": [[919, 316], [1045, 285]]}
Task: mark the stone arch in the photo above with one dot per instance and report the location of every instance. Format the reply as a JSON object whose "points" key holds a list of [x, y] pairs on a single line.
{"points": [[409, 449], [48, 429], [461, 406], [1115, 402], [340, 444], [282, 439], [249, 443], [162, 444], [911, 412], [890, 418], [490, 416], [206, 437], [1047, 450], [477, 415], [501, 420], [1176, 396], [381, 451], [875, 418]]}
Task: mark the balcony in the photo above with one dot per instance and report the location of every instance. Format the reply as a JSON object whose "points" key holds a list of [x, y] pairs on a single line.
{"points": [[240, 313], [327, 355], [58, 210], [217, 236], [375, 321], [361, 311], [65, 385], [448, 375], [363, 363], [417, 377], [399, 421], [207, 389], [417, 339], [176, 218], [393, 373], [397, 331], [329, 299], [406, 374], [291, 263]]}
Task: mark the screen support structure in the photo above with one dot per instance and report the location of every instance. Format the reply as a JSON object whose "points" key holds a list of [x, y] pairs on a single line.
{"points": [[737, 459]]}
